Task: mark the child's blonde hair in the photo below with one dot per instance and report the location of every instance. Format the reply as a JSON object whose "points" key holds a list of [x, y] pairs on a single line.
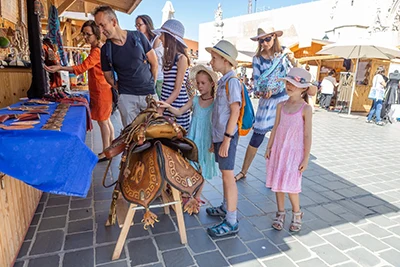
{"points": [[213, 91]]}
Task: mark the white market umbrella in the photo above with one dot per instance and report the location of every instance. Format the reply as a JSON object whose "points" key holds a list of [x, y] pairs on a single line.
{"points": [[357, 50]]}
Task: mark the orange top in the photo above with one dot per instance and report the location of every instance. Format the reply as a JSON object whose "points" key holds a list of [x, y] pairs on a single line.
{"points": [[99, 89]]}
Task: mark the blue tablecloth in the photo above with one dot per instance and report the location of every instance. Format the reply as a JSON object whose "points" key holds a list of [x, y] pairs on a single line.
{"points": [[82, 93], [57, 162]]}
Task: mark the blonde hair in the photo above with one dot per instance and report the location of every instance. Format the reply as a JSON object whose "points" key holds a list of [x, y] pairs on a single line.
{"points": [[210, 79], [276, 48]]}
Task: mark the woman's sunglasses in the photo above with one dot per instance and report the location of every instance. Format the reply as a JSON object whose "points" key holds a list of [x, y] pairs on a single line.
{"points": [[266, 39]]}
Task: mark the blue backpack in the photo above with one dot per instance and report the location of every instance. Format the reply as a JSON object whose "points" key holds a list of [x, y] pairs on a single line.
{"points": [[246, 115]]}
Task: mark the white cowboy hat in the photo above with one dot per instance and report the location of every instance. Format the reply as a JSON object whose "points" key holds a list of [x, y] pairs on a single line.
{"points": [[299, 77], [267, 31], [226, 50], [193, 72], [174, 28]]}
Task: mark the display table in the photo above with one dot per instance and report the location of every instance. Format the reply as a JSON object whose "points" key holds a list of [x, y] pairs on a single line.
{"points": [[57, 162]]}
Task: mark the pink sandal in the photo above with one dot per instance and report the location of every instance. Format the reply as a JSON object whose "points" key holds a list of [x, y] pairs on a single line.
{"points": [[279, 220], [295, 226]]}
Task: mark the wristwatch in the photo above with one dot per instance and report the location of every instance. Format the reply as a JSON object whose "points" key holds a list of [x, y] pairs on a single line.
{"points": [[229, 135]]}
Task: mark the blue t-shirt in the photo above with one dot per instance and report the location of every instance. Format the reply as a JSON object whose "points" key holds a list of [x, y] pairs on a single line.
{"points": [[134, 75]]}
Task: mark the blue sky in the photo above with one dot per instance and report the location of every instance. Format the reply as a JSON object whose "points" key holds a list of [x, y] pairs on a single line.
{"points": [[193, 12]]}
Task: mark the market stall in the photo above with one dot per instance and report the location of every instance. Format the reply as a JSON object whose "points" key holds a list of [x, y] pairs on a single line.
{"points": [[29, 155]]}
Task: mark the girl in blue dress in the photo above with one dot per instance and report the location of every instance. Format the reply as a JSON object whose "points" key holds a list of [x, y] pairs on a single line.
{"points": [[200, 126]]}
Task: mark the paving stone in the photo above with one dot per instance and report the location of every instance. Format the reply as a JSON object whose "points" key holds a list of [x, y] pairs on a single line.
{"points": [[102, 205], [391, 256], [392, 241], [231, 247], [24, 249], [106, 234], [31, 231], [325, 214], [168, 241], [52, 223], [317, 198], [80, 240], [44, 261], [247, 260], [340, 241], [19, 264], [370, 242], [261, 222], [248, 232], [332, 195], [142, 251], [57, 201], [349, 230], [315, 262], [278, 237], [137, 231], [190, 221], [206, 220], [165, 225], [279, 262], [199, 241], [348, 264], [263, 248], [80, 214], [104, 254], [308, 237], [81, 258], [355, 207], [295, 250], [80, 226], [395, 230], [177, 258], [116, 264], [248, 209], [211, 259], [363, 257], [39, 208], [335, 185], [46, 242], [329, 254], [80, 204], [369, 201], [55, 211], [35, 219], [375, 230]]}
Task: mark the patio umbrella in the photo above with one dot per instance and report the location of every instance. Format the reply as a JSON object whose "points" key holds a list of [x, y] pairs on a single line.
{"points": [[357, 50]]}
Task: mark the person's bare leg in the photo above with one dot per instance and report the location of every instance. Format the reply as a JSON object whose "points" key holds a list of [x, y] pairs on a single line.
{"points": [[105, 134], [280, 215], [248, 159], [295, 226], [111, 130]]}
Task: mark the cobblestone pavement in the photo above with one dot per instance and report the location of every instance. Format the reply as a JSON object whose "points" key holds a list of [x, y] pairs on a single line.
{"points": [[350, 201]]}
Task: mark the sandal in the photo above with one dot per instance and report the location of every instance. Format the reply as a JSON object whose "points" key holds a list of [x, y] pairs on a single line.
{"points": [[240, 175], [279, 220], [295, 226], [216, 211], [223, 229]]}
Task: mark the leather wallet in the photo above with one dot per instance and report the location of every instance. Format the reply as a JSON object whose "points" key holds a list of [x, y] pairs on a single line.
{"points": [[3, 118]]}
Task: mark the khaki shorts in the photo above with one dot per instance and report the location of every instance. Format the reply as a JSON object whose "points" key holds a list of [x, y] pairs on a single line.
{"points": [[130, 105]]}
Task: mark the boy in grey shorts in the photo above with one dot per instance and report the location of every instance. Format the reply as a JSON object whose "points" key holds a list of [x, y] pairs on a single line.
{"points": [[225, 135]]}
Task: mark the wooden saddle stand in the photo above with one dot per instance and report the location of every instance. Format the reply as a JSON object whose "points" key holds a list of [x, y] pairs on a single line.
{"points": [[155, 156]]}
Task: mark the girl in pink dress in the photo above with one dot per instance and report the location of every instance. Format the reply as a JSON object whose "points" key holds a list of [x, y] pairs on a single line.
{"points": [[289, 146]]}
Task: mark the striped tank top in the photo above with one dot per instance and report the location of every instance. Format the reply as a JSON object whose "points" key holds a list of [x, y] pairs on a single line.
{"points": [[167, 89]]}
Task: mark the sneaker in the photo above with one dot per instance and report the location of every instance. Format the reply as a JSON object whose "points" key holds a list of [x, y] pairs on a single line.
{"points": [[222, 229], [216, 211], [368, 121], [380, 123]]}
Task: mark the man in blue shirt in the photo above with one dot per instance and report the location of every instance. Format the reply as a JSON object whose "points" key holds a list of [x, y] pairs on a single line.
{"points": [[133, 60]]}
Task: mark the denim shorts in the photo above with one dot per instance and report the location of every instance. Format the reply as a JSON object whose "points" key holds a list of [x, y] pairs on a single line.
{"points": [[228, 163]]}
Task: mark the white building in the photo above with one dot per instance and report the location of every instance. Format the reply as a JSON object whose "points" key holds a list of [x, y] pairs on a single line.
{"points": [[337, 19]]}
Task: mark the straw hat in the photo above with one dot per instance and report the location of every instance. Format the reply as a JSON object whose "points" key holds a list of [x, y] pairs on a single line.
{"points": [[197, 68], [299, 77], [174, 28], [226, 50], [267, 31]]}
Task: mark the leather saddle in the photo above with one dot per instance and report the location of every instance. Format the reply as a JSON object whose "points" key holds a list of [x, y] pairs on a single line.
{"points": [[155, 152]]}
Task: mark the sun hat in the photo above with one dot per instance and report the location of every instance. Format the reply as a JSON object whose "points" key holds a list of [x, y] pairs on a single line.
{"points": [[268, 30], [174, 28], [226, 50], [193, 72], [299, 77]]}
